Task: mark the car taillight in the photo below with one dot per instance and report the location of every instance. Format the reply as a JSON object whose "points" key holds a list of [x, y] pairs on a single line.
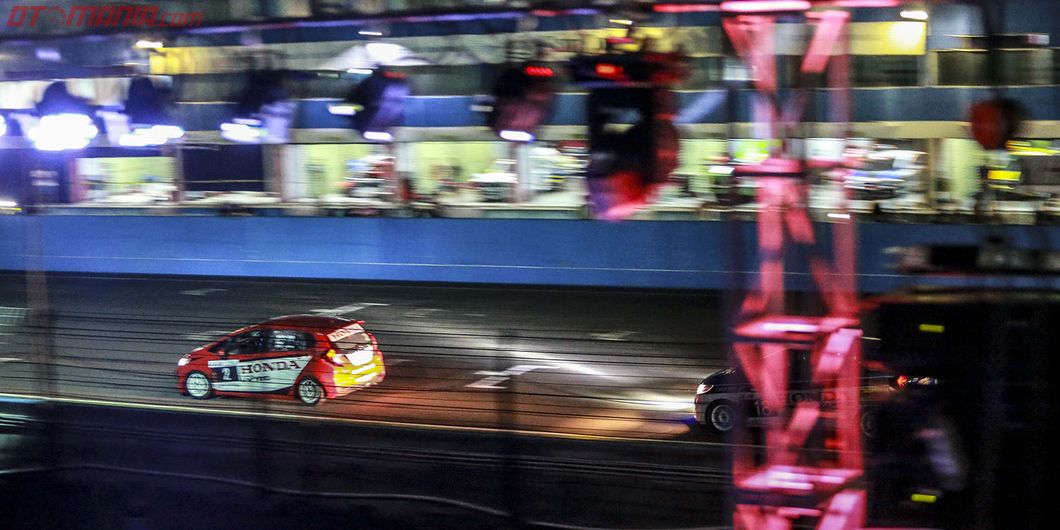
{"points": [[901, 381], [375, 345], [334, 357]]}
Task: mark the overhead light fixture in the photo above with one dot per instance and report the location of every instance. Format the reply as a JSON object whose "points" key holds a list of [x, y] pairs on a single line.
{"points": [[522, 100], [62, 132], [633, 142], [914, 14], [516, 136], [359, 71], [147, 121], [369, 33], [64, 121], [376, 104], [149, 44], [263, 112]]}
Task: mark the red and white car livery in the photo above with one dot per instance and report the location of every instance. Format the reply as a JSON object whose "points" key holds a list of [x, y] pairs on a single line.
{"points": [[308, 357]]}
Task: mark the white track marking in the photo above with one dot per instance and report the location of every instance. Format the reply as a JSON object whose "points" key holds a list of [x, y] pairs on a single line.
{"points": [[345, 310], [202, 292], [612, 335], [493, 379]]}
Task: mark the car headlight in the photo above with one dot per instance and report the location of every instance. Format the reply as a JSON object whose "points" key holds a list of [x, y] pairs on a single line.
{"points": [[703, 388], [184, 360]]}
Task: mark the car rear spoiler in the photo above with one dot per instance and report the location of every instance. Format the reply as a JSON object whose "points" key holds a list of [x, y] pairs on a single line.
{"points": [[346, 331]]}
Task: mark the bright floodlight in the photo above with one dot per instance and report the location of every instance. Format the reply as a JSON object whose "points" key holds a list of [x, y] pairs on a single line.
{"points": [[154, 135], [243, 131], [169, 132], [516, 136], [60, 132], [378, 136], [343, 109]]}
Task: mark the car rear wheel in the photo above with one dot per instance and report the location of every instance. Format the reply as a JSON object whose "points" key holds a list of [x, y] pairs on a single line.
{"points": [[309, 391], [721, 416], [197, 385]]}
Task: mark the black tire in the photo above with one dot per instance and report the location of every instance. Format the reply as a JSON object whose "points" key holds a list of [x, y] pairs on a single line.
{"points": [[721, 417], [198, 385], [309, 391], [869, 424]]}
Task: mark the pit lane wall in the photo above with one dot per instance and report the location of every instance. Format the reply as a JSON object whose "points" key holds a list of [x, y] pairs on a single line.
{"points": [[643, 254]]}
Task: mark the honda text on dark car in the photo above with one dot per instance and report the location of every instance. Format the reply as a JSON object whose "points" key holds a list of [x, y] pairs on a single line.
{"points": [[310, 358]]}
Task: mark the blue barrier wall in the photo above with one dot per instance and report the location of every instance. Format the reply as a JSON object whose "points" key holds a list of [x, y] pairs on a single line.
{"points": [[663, 254]]}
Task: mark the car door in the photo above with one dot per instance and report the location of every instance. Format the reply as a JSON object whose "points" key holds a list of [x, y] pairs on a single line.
{"points": [[228, 376], [277, 363]]}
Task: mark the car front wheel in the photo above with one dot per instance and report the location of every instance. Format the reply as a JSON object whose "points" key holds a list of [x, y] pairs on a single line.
{"points": [[870, 419], [721, 416], [309, 392], [197, 385]]}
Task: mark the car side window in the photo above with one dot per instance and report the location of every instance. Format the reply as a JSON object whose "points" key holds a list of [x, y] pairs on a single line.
{"points": [[288, 340], [247, 343]]}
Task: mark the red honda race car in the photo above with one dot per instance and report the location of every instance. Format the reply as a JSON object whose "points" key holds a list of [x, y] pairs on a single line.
{"points": [[308, 357]]}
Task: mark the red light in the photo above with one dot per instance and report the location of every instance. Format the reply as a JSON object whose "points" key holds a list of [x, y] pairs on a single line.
{"points": [[902, 381], [609, 70], [685, 8], [764, 6], [538, 71], [866, 3], [393, 75]]}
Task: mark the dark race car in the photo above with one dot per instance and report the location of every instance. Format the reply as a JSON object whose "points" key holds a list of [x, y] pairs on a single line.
{"points": [[721, 392]]}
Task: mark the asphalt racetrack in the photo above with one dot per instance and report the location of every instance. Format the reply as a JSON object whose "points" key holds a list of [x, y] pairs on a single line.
{"points": [[580, 362]]}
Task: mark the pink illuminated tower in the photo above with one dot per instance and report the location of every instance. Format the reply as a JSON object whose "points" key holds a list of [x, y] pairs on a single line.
{"points": [[808, 467]]}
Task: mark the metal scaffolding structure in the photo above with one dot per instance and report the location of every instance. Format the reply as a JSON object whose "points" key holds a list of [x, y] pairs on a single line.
{"points": [[809, 464]]}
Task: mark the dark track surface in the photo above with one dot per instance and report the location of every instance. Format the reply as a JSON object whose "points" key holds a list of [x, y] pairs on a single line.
{"points": [[588, 362]]}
